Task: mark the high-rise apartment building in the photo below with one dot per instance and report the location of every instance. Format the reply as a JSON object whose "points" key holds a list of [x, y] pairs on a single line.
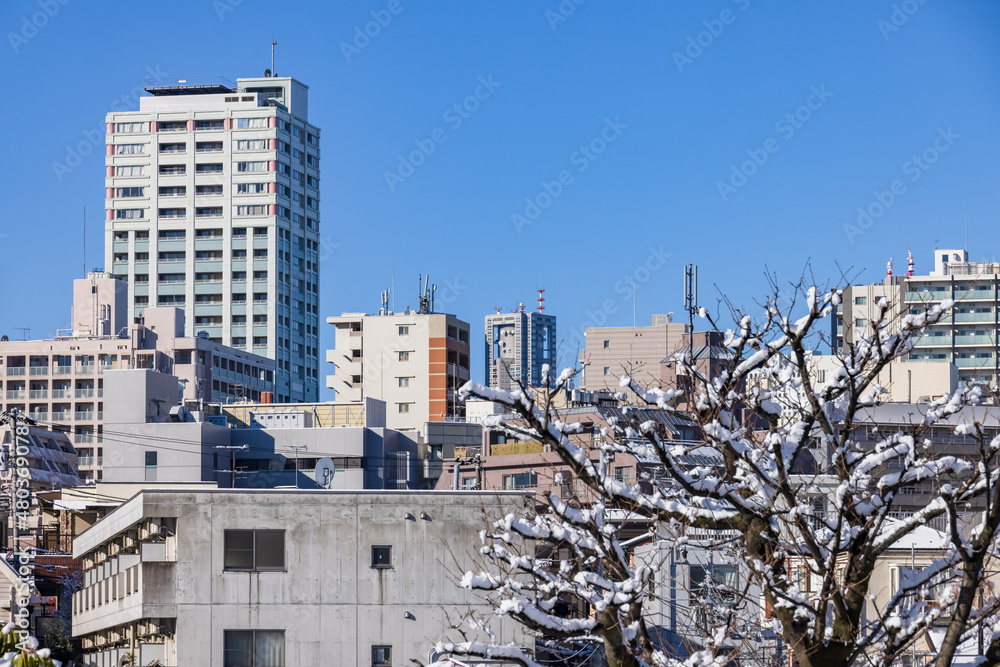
{"points": [[518, 344], [967, 335], [213, 207], [414, 361]]}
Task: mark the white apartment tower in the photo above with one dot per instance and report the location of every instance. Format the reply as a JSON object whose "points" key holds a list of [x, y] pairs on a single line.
{"points": [[967, 335], [213, 207], [518, 344]]}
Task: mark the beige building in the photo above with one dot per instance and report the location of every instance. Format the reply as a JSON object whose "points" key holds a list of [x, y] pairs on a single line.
{"points": [[415, 362], [611, 352], [59, 382]]}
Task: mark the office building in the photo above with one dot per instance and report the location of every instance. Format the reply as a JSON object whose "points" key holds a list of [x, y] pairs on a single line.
{"points": [[966, 336], [414, 361], [213, 207], [59, 382], [283, 577], [518, 344], [611, 352]]}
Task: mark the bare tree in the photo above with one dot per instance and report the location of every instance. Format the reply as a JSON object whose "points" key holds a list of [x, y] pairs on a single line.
{"points": [[755, 493]]}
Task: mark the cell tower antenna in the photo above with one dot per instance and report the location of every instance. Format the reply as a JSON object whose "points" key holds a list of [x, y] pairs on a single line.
{"points": [[541, 299], [888, 267], [274, 43], [909, 263]]}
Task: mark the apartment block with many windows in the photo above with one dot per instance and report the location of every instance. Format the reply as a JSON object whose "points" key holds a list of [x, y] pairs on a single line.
{"points": [[518, 344], [415, 362], [967, 335], [213, 207]]}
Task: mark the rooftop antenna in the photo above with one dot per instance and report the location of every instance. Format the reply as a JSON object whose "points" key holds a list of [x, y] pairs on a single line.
{"points": [[392, 290], [24, 332], [84, 241], [691, 303], [966, 234], [909, 263], [273, 44], [498, 309], [888, 267], [541, 300]]}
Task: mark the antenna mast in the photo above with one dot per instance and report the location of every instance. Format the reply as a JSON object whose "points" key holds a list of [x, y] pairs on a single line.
{"points": [[273, 44], [541, 300], [691, 303], [84, 241]]}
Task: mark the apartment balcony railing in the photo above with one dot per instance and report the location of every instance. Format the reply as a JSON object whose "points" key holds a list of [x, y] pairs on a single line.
{"points": [[62, 393], [83, 461], [14, 394], [38, 393], [82, 369], [39, 416], [38, 370], [62, 370], [85, 416], [85, 393], [928, 295], [980, 339], [974, 317], [977, 362], [15, 370]]}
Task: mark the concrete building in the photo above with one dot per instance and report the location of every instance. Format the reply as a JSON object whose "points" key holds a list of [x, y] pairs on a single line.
{"points": [[213, 207], [223, 577], [59, 382], [518, 344], [967, 336], [414, 361], [611, 352], [252, 445]]}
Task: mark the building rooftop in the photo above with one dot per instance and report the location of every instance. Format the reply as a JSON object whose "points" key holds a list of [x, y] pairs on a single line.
{"points": [[205, 85]]}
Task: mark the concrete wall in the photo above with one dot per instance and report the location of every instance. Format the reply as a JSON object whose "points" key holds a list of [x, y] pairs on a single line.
{"points": [[331, 604]]}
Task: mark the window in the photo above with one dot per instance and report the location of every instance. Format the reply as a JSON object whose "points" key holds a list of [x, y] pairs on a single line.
{"points": [[209, 125], [208, 147], [129, 214], [173, 148], [623, 474], [860, 300], [208, 212], [260, 341], [607, 344], [129, 149], [521, 480], [130, 127], [240, 297], [381, 556], [129, 170], [239, 254], [175, 126], [240, 231], [208, 233], [860, 322], [174, 191], [251, 145], [171, 233], [254, 550], [208, 190], [404, 356], [250, 188], [171, 277], [404, 408], [404, 382], [246, 123], [144, 234], [254, 648], [404, 331], [260, 275], [208, 168], [173, 169], [239, 276], [172, 212], [177, 256], [607, 370], [150, 466], [170, 298], [251, 166], [257, 209], [128, 192], [381, 656], [716, 582]]}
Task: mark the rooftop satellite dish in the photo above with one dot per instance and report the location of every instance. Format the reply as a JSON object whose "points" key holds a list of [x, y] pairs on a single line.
{"points": [[324, 472], [267, 74]]}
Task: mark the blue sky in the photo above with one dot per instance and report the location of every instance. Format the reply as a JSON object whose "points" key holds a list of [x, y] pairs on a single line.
{"points": [[621, 122]]}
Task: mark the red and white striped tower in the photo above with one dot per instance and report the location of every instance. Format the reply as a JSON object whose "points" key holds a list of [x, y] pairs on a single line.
{"points": [[888, 267], [909, 263], [541, 300]]}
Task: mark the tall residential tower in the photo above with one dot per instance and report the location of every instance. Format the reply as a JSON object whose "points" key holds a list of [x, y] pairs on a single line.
{"points": [[213, 207], [518, 344]]}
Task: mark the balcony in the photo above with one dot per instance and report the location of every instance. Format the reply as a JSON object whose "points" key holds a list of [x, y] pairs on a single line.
{"points": [[980, 339], [85, 393], [84, 461], [39, 416], [85, 416], [38, 393], [974, 317], [62, 370], [928, 296], [15, 370], [62, 393], [84, 369], [16, 394], [39, 370], [978, 362]]}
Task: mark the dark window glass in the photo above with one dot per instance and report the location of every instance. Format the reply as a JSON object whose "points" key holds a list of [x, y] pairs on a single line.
{"points": [[382, 556]]}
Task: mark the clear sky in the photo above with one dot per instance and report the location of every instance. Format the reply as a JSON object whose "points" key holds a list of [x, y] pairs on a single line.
{"points": [[593, 144]]}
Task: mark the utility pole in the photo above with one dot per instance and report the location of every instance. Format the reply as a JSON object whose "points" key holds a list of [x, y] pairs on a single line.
{"points": [[233, 449], [296, 449]]}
